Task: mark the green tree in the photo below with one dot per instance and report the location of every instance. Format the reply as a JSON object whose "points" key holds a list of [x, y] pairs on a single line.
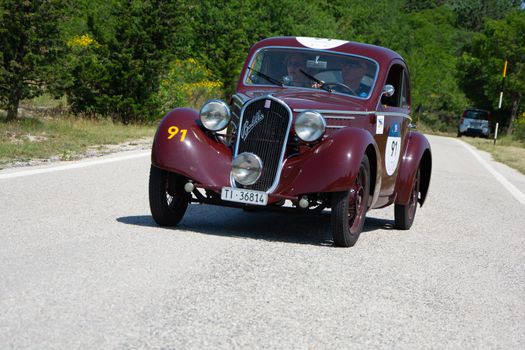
{"points": [[225, 30], [134, 57], [29, 43], [418, 5], [431, 49], [118, 74], [372, 22], [482, 65], [471, 14], [428, 41]]}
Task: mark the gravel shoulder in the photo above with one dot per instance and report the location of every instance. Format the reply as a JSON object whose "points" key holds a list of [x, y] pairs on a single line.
{"points": [[91, 152]]}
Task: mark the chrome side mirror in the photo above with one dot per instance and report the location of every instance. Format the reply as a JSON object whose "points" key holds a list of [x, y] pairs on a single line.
{"points": [[388, 90]]}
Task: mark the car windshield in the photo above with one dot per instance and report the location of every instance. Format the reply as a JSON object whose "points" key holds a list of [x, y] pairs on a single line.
{"points": [[476, 115], [293, 68]]}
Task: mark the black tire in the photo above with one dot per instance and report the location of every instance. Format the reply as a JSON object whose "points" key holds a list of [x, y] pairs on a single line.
{"points": [[349, 208], [404, 214], [167, 199]]}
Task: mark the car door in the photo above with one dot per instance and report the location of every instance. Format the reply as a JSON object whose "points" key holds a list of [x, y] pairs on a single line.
{"points": [[392, 126]]}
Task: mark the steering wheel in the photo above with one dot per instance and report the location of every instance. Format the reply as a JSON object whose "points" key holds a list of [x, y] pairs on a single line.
{"points": [[340, 87]]}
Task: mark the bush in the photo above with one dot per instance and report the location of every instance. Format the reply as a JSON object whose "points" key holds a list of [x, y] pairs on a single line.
{"points": [[436, 122], [84, 67], [112, 80], [187, 84], [519, 128]]}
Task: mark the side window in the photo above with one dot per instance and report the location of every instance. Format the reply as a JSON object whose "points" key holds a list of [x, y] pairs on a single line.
{"points": [[405, 91], [395, 78]]}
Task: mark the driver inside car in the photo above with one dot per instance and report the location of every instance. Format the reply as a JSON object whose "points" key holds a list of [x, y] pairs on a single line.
{"points": [[352, 73]]}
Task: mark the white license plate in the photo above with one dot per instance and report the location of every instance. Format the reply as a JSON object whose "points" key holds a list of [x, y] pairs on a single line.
{"points": [[244, 196]]}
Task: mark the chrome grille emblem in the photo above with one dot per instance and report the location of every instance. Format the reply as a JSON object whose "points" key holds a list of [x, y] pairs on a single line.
{"points": [[249, 125]]}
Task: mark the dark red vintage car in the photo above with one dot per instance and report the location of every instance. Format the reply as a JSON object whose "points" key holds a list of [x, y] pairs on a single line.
{"points": [[314, 124]]}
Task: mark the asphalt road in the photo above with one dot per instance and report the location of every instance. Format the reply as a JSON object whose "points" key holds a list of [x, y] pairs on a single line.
{"points": [[82, 265]]}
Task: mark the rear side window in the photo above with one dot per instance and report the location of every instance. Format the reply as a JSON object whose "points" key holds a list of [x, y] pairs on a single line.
{"points": [[476, 115]]}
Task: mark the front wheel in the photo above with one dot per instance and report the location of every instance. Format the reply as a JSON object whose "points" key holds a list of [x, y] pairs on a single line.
{"points": [[167, 199], [404, 214], [349, 208]]}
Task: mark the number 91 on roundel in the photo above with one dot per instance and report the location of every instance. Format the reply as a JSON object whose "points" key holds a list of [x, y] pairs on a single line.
{"points": [[314, 126]]}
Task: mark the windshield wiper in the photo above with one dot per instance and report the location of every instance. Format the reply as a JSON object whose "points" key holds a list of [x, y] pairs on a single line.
{"points": [[267, 77], [321, 83]]}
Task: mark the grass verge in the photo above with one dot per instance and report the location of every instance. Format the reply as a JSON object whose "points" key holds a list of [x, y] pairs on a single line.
{"points": [[67, 138], [506, 150]]}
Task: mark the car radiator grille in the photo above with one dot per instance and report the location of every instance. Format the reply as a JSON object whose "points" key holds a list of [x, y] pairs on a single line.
{"points": [[263, 130]]}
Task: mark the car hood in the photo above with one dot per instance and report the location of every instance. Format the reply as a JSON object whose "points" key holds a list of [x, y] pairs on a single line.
{"points": [[316, 100]]}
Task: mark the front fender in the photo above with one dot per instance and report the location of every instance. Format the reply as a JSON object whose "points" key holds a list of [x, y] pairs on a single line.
{"points": [[417, 155], [330, 166], [197, 156]]}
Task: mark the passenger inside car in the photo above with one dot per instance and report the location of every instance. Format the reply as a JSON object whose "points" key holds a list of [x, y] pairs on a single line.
{"points": [[294, 63]]}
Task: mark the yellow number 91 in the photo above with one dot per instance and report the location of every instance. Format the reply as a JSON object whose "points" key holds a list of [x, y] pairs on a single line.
{"points": [[173, 130]]}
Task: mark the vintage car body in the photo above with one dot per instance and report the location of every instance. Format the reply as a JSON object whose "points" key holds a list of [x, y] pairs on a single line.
{"points": [[367, 155]]}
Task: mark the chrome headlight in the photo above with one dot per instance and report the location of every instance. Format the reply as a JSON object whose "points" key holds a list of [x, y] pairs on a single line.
{"points": [[246, 168], [215, 115], [310, 126]]}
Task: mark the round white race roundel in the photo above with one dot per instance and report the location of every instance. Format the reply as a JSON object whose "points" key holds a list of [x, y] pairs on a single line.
{"points": [[393, 149], [318, 43]]}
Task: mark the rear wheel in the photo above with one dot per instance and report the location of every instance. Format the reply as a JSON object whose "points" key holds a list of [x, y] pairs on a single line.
{"points": [[167, 199], [349, 208], [405, 214]]}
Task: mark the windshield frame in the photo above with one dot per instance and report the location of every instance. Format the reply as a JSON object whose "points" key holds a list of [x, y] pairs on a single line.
{"points": [[256, 53]]}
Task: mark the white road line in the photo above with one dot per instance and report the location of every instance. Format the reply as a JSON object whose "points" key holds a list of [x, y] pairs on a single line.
{"points": [[520, 197], [84, 164]]}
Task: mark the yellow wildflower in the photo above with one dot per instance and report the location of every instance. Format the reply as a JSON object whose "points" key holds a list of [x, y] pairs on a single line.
{"points": [[81, 41]]}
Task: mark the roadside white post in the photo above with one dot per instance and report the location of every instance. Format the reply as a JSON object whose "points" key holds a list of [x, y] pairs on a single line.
{"points": [[502, 84], [496, 133]]}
